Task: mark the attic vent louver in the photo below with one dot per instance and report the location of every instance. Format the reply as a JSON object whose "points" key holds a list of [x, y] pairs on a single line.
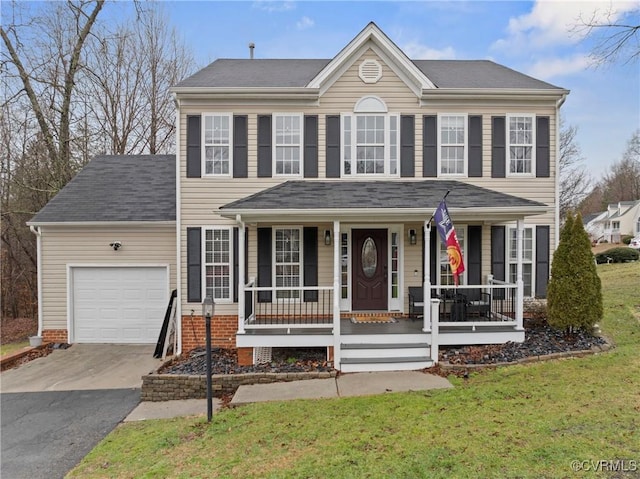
{"points": [[370, 71]]}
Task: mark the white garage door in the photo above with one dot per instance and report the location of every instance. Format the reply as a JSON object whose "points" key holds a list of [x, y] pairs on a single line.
{"points": [[119, 305]]}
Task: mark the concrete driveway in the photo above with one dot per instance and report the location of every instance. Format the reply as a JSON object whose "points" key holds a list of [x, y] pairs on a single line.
{"points": [[55, 409], [83, 366]]}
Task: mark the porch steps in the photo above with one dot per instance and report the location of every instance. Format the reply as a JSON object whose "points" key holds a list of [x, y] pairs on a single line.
{"points": [[363, 357]]}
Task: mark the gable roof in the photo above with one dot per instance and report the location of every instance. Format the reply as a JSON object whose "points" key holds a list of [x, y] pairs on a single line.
{"points": [[346, 197], [320, 73], [135, 188]]}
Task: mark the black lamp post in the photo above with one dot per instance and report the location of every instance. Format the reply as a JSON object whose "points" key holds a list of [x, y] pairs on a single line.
{"points": [[207, 311]]}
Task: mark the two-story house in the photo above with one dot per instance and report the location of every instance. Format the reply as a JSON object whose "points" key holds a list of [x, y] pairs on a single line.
{"points": [[303, 194]]}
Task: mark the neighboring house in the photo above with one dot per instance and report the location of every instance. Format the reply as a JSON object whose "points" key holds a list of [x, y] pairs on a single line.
{"points": [[620, 219], [303, 194], [594, 226]]}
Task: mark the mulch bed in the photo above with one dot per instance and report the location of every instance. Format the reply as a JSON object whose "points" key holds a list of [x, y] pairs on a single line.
{"points": [[540, 340], [225, 361], [36, 353]]}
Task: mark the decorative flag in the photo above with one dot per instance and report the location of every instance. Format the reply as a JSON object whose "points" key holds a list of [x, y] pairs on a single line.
{"points": [[449, 238]]}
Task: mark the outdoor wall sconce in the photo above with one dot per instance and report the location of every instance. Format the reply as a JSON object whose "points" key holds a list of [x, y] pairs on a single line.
{"points": [[413, 237], [327, 237], [116, 245]]}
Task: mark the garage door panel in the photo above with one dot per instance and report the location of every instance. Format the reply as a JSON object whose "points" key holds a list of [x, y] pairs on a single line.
{"points": [[119, 304]]}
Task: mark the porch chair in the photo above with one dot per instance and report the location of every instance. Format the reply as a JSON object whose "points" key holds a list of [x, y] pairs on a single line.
{"points": [[480, 307], [416, 302]]}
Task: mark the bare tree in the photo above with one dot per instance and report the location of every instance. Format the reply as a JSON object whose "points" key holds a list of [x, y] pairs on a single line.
{"points": [[574, 179], [616, 35]]}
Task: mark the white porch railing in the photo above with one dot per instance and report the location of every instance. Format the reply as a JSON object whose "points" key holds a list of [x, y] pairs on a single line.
{"points": [[304, 307], [491, 305]]}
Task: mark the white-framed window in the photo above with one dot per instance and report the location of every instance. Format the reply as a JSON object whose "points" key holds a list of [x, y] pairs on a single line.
{"points": [[217, 134], [638, 227], [370, 140], [615, 225], [287, 261], [520, 144], [527, 258], [446, 275], [452, 144], [287, 144], [217, 263], [395, 265], [344, 266]]}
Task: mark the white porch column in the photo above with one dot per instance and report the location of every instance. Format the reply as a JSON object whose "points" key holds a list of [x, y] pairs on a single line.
{"points": [[426, 286], [519, 282], [241, 279], [434, 305], [336, 294]]}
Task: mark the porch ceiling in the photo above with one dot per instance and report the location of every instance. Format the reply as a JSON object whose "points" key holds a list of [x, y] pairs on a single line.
{"points": [[379, 201]]}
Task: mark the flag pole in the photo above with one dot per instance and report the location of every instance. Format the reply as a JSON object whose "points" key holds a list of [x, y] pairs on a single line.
{"points": [[434, 211]]}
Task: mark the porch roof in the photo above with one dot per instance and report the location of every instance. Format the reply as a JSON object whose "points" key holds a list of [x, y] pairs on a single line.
{"points": [[407, 200]]}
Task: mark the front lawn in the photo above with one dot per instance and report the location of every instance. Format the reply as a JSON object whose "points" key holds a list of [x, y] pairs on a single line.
{"points": [[527, 421]]}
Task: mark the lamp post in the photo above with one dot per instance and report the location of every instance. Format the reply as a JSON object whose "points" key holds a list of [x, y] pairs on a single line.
{"points": [[207, 311]]}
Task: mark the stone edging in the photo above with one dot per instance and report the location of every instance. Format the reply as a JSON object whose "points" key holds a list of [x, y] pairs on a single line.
{"points": [[532, 359], [166, 387]]}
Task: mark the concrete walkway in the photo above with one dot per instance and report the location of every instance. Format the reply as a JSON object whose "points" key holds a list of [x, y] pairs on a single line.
{"points": [[345, 385]]}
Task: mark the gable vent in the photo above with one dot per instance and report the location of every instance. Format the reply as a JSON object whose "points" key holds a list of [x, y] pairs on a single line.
{"points": [[370, 71]]}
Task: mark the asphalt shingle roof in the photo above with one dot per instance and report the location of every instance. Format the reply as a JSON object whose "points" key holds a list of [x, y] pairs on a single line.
{"points": [[268, 73], [117, 188], [303, 195]]}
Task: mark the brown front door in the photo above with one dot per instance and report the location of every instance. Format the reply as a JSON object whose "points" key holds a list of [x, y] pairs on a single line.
{"points": [[369, 270]]}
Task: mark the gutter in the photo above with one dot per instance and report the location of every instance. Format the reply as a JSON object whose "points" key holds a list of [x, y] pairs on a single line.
{"points": [[493, 94], [36, 231], [178, 224]]}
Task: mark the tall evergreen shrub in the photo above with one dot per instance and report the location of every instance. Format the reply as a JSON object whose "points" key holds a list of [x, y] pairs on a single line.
{"points": [[574, 295]]}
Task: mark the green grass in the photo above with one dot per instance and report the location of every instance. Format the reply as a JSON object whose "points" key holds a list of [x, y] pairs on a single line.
{"points": [[525, 421], [12, 347]]}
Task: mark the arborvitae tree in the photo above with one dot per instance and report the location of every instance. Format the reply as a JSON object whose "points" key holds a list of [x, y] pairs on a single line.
{"points": [[574, 296]]}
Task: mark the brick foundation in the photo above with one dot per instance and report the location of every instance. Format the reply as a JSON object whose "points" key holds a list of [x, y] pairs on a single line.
{"points": [[245, 356], [330, 354], [55, 336], [223, 332]]}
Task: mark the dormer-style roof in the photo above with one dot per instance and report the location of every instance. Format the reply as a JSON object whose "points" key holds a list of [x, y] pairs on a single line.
{"points": [[312, 77]]}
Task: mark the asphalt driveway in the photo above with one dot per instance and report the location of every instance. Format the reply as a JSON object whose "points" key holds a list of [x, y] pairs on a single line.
{"points": [[55, 409]]}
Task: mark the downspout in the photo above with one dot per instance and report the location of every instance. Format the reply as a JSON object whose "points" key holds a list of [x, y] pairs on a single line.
{"points": [[559, 103], [178, 228], [38, 233], [241, 279]]}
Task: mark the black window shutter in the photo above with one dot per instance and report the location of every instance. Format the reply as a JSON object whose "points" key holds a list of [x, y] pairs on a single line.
{"points": [[498, 252], [310, 245], [240, 146], [407, 146], [542, 147], [310, 146], [430, 146], [475, 147], [264, 263], [236, 264], [474, 259], [498, 147], [194, 265], [542, 261], [264, 146], [194, 147], [333, 146]]}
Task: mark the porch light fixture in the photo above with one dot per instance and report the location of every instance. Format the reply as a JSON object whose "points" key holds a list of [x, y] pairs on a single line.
{"points": [[327, 237], [207, 311], [413, 237]]}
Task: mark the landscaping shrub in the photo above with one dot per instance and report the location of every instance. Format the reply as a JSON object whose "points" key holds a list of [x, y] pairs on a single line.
{"points": [[574, 295], [626, 239], [618, 255]]}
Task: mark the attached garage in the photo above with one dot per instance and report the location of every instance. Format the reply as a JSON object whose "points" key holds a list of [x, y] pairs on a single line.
{"points": [[118, 304]]}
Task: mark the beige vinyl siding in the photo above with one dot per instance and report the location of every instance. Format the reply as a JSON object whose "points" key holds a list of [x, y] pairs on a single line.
{"points": [[201, 197], [89, 245]]}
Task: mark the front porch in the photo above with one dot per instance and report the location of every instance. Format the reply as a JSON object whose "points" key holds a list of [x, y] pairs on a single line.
{"points": [[381, 340]]}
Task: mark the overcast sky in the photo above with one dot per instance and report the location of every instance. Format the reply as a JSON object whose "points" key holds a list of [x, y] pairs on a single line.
{"points": [[536, 38]]}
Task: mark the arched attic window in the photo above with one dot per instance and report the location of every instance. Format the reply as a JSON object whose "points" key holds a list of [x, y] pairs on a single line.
{"points": [[371, 139]]}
